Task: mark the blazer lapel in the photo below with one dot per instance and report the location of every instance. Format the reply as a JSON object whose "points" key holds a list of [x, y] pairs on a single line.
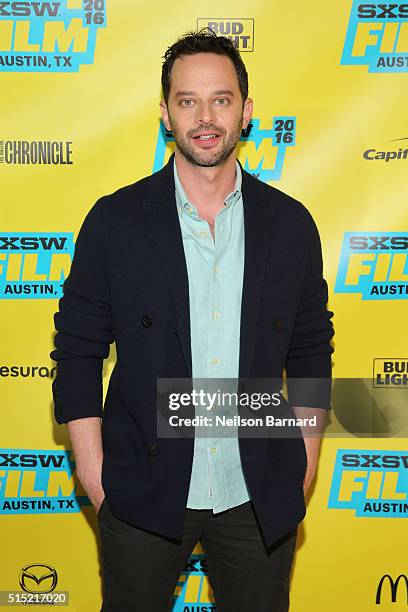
{"points": [[161, 209], [258, 215]]}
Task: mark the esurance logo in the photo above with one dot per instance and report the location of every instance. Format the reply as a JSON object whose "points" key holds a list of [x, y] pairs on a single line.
{"points": [[34, 266], [49, 36], [377, 36], [261, 150], [39, 482], [240, 30], [370, 482], [374, 264], [193, 592]]}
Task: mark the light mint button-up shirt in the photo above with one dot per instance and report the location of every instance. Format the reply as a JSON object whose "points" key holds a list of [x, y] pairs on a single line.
{"points": [[215, 275]]}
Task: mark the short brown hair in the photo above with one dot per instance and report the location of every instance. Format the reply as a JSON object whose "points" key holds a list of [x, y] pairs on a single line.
{"points": [[204, 41]]}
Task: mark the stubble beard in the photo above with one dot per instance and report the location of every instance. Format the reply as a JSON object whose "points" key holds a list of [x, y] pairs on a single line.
{"points": [[207, 159]]}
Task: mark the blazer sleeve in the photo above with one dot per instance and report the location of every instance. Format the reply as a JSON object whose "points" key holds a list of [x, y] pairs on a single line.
{"points": [[308, 365], [84, 325]]}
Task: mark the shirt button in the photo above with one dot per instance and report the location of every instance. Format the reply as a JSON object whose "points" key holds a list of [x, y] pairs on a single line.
{"points": [[190, 210], [216, 315], [203, 234], [216, 269], [213, 450], [214, 361]]}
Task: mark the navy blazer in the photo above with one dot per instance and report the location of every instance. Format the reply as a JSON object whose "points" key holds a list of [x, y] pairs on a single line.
{"points": [[128, 283]]}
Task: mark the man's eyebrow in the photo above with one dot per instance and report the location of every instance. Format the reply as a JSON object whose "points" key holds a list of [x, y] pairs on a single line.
{"points": [[219, 92], [223, 92], [184, 93]]}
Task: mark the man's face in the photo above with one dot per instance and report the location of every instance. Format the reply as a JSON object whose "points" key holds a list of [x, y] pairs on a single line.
{"points": [[204, 110]]}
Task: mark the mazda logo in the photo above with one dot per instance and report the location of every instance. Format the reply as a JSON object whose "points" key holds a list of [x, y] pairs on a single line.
{"points": [[38, 578]]}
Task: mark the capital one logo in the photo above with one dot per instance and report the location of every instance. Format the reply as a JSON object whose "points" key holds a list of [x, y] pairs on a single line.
{"points": [[261, 149], [394, 584]]}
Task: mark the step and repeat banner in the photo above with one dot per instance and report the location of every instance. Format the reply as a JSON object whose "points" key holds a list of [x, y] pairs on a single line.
{"points": [[79, 108]]}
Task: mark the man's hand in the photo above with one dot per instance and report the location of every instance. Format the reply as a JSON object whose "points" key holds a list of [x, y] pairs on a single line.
{"points": [[312, 450], [86, 440], [93, 488], [312, 439]]}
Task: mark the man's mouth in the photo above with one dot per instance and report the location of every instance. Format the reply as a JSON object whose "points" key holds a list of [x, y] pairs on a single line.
{"points": [[205, 136]]}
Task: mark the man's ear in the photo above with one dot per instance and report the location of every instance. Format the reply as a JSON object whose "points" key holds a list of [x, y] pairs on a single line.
{"points": [[165, 115], [247, 112]]}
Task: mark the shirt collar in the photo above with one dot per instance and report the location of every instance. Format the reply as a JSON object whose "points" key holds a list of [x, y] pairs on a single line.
{"points": [[183, 204]]}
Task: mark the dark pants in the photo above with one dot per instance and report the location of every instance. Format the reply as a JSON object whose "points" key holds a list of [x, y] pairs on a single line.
{"points": [[141, 569]]}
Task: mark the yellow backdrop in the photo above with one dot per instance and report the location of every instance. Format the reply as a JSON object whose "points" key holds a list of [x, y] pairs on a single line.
{"points": [[80, 86]]}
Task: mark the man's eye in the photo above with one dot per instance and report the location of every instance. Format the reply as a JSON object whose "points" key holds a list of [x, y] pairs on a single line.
{"points": [[222, 101], [186, 102]]}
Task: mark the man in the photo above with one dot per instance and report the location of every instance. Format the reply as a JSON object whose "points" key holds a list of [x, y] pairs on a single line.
{"points": [[199, 270]]}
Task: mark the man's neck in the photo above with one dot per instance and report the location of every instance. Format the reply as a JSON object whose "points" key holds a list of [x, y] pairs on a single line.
{"points": [[206, 188]]}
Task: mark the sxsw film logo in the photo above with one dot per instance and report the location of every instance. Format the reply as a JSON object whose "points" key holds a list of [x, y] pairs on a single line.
{"points": [[373, 483], [261, 150], [374, 264], [392, 590], [39, 482], [49, 36], [34, 266], [390, 373], [239, 30], [193, 592], [377, 36]]}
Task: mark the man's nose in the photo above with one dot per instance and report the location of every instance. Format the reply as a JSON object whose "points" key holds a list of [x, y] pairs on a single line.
{"points": [[205, 113]]}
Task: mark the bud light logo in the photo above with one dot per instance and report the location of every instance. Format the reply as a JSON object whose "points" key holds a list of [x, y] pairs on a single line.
{"points": [[240, 30]]}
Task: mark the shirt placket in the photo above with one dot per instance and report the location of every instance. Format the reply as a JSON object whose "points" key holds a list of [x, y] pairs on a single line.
{"points": [[215, 367]]}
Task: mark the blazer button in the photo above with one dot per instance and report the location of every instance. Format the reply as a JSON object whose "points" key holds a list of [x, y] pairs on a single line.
{"points": [[153, 450], [147, 321], [277, 324]]}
